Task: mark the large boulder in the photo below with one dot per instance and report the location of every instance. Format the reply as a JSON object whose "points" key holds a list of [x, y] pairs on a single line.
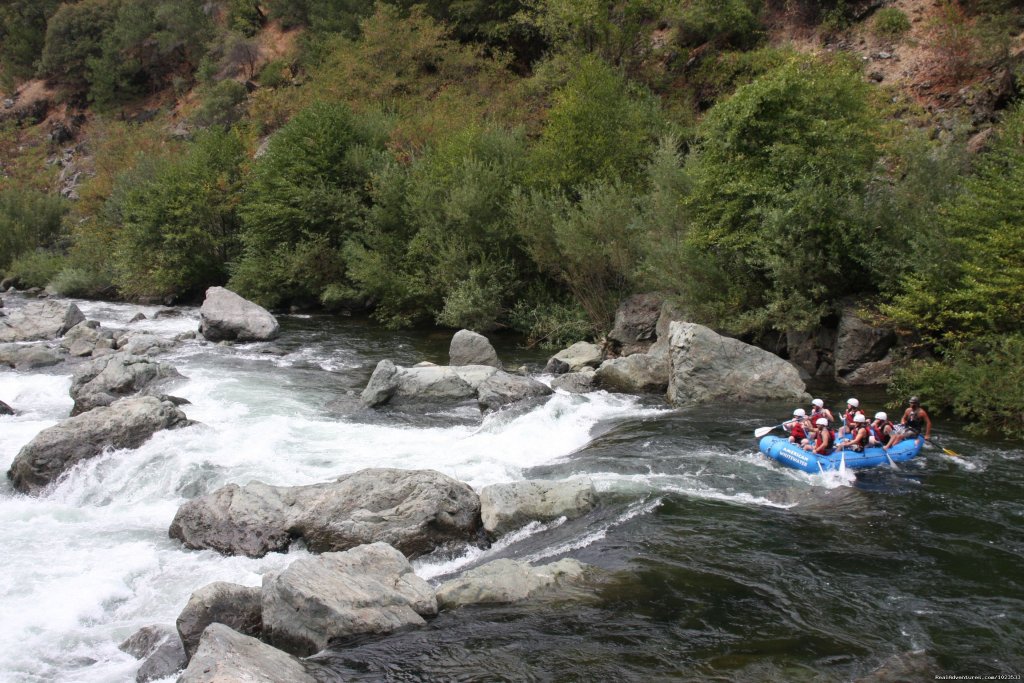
{"points": [[575, 358], [470, 348], [505, 507], [226, 316], [501, 389], [28, 356], [813, 352], [705, 367], [580, 382], [39, 320], [239, 607], [423, 384], [109, 378], [637, 374], [125, 424], [859, 341], [226, 656], [636, 322], [415, 511], [160, 646], [84, 338], [143, 344], [369, 589], [871, 374], [508, 581]]}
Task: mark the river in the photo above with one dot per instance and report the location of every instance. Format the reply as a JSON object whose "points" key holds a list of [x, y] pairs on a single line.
{"points": [[719, 564]]}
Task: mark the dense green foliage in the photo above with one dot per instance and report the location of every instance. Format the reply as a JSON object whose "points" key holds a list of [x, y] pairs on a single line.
{"points": [[526, 164]]}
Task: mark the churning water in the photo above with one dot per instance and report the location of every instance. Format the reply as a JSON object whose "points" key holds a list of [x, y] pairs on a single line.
{"points": [[720, 565]]}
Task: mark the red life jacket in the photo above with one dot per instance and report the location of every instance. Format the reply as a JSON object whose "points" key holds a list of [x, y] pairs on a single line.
{"points": [[816, 413], [797, 431], [848, 418], [878, 431], [818, 442]]}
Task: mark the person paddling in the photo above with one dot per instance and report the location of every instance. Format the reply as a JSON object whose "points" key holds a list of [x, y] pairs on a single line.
{"points": [[859, 435], [819, 410], [880, 429], [824, 438], [914, 421], [797, 427]]}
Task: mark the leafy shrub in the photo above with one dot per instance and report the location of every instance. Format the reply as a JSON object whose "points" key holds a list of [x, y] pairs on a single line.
{"points": [[222, 104], [723, 23], [890, 21], [35, 268], [28, 220], [22, 35], [982, 382], [81, 283], [550, 322]]}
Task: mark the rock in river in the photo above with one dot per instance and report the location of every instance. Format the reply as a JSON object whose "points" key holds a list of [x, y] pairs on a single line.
{"points": [[226, 656], [39, 320], [226, 316]]}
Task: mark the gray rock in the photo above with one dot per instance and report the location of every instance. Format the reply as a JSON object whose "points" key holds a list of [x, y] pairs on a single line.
{"points": [[81, 339], [871, 374], [914, 665], [508, 581], [6, 409], [143, 344], [239, 607], [636, 374], [431, 383], [415, 511], [28, 356], [636, 322], [39, 320], [160, 646], [226, 656], [577, 356], [502, 388], [813, 352], [858, 341], [111, 377], [226, 316], [369, 589], [138, 317], [470, 348], [506, 507], [575, 382], [706, 366], [125, 424]]}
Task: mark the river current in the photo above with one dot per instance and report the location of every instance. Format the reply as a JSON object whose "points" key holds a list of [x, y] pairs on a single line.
{"points": [[719, 564]]}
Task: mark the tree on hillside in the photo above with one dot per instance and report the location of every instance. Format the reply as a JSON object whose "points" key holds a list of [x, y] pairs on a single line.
{"points": [[22, 35], [778, 178]]}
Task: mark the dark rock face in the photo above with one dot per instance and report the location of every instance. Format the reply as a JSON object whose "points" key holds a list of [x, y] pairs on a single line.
{"points": [[415, 511], [111, 377], [226, 316], [6, 409], [470, 348], [239, 607], [369, 589], [125, 424], [636, 323], [859, 342], [813, 352]]}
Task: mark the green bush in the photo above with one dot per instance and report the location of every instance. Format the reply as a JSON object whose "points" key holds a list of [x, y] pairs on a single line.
{"points": [[550, 322], [779, 174], [35, 268], [222, 104], [22, 35], [723, 23], [81, 283], [890, 21], [28, 220], [982, 382]]}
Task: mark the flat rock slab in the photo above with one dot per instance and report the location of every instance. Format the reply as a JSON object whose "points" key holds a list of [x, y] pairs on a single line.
{"points": [[39, 320], [125, 424], [226, 656], [415, 511], [226, 316], [369, 589], [508, 581]]}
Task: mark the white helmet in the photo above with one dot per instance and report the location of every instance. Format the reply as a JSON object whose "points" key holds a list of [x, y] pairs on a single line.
{"points": [[881, 416], [853, 402], [799, 412], [818, 403], [822, 422], [859, 417]]}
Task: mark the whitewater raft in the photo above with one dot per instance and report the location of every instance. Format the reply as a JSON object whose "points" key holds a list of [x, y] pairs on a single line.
{"points": [[791, 455]]}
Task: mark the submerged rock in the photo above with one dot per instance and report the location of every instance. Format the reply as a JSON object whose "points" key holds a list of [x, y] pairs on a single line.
{"points": [[505, 507], [507, 581], [226, 316], [125, 424], [226, 656], [415, 511], [39, 320], [501, 389], [109, 378], [706, 367], [369, 589]]}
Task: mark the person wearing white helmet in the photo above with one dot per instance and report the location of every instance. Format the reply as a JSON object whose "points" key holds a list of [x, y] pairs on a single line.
{"points": [[858, 435], [879, 430], [824, 438], [818, 409], [797, 427], [852, 410]]}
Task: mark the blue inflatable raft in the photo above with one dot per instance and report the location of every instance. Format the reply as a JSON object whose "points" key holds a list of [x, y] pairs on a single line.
{"points": [[791, 455]]}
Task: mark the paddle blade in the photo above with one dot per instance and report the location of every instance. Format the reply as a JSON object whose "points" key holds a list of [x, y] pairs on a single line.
{"points": [[953, 453], [761, 431]]}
